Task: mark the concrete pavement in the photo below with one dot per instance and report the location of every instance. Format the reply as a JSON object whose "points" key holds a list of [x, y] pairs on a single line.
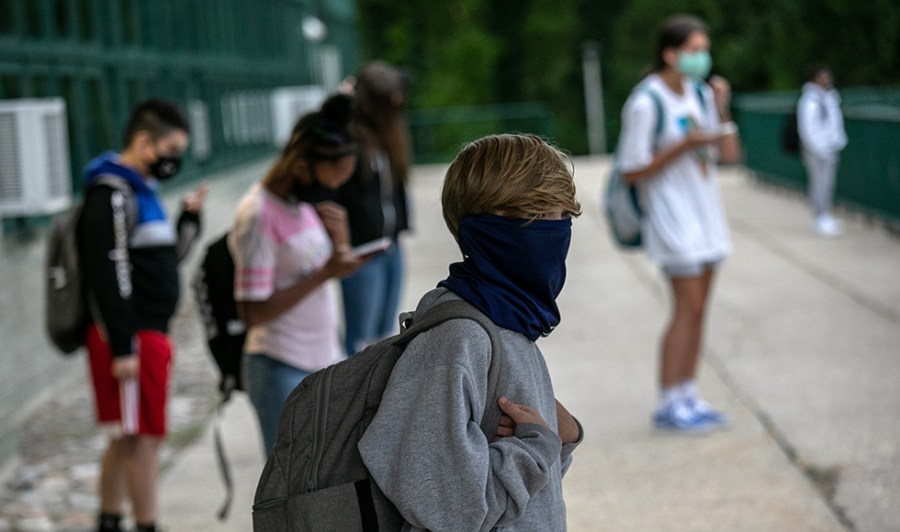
{"points": [[802, 352]]}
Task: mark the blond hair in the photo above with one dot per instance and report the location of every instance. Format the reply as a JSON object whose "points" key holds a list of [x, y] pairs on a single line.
{"points": [[518, 176]]}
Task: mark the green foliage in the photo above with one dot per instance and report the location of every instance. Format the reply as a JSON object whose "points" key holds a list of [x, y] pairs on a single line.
{"points": [[469, 50], [508, 51]]}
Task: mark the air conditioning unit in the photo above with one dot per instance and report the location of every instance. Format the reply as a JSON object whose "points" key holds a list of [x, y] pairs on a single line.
{"points": [[34, 157], [289, 104]]}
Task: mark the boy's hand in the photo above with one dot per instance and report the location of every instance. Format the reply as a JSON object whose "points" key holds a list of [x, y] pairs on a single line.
{"points": [[125, 367], [334, 218], [193, 202], [568, 427], [514, 414]]}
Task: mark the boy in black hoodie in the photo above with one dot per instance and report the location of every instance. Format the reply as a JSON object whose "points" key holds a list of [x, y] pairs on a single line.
{"points": [[130, 253]]}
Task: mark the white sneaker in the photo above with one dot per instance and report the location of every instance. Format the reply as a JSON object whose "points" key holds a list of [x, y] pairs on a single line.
{"points": [[706, 412], [679, 417], [826, 225]]}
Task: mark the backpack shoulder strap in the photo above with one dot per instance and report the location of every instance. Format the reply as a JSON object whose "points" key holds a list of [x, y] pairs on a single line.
{"points": [[660, 114], [118, 183], [459, 309], [701, 97]]}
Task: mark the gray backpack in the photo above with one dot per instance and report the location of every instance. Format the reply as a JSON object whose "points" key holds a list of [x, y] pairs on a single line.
{"points": [[66, 315], [315, 479]]}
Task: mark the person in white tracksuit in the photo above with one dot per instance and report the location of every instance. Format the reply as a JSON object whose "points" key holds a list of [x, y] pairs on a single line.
{"points": [[820, 125]]}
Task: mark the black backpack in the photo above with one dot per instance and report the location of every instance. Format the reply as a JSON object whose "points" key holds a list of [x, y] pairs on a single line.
{"points": [[790, 136], [790, 132], [225, 332], [66, 313], [315, 479]]}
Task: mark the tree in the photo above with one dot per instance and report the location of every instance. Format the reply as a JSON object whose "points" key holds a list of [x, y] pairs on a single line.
{"points": [[505, 51]]}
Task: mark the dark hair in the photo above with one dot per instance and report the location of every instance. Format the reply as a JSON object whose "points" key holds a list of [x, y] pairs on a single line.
{"points": [[674, 32], [379, 119], [323, 135], [812, 70], [157, 117]]}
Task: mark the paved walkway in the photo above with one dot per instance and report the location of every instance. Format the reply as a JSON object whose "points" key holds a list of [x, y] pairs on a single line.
{"points": [[803, 352]]}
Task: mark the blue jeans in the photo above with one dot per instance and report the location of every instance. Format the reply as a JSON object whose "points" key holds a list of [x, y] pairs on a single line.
{"points": [[268, 383], [371, 296]]}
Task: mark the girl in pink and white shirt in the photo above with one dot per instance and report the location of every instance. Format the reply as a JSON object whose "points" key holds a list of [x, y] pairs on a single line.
{"points": [[285, 248]]}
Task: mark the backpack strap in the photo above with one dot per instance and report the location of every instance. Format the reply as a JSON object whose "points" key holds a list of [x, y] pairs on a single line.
{"points": [[118, 183], [660, 113], [698, 88], [460, 309], [660, 116]]}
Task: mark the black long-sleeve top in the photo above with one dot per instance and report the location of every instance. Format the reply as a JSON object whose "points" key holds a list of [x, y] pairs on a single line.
{"points": [[130, 269], [376, 205]]}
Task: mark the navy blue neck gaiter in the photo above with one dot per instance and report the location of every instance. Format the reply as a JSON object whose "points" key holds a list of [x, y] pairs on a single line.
{"points": [[512, 270]]}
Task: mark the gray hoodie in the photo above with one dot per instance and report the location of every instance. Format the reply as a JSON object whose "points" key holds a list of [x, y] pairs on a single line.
{"points": [[427, 453]]}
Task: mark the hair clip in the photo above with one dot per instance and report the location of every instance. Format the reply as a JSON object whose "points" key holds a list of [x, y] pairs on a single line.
{"points": [[331, 136]]}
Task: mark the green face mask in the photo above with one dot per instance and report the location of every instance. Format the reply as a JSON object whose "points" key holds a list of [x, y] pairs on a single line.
{"points": [[695, 64]]}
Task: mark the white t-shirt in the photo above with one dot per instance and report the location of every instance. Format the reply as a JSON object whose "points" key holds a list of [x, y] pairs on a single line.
{"points": [[274, 244], [683, 218]]}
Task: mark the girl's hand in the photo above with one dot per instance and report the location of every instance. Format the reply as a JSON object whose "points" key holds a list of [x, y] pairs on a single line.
{"points": [[722, 95], [698, 138], [343, 262], [334, 218]]}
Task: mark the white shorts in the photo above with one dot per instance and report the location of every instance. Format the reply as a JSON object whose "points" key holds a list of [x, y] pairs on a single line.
{"points": [[683, 270]]}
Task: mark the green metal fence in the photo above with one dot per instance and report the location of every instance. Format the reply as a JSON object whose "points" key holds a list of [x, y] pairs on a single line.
{"points": [[216, 58], [869, 174], [438, 133]]}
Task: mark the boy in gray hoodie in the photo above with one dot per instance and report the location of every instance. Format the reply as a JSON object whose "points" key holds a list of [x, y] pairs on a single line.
{"points": [[508, 200]]}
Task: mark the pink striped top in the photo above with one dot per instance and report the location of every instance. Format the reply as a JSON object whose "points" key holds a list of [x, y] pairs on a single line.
{"points": [[275, 244]]}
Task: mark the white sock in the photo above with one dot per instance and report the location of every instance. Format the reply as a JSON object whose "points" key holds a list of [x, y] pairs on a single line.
{"points": [[668, 396], [691, 396], [688, 390]]}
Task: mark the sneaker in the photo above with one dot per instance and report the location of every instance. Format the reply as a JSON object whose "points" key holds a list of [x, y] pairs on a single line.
{"points": [[706, 412], [826, 225], [679, 417]]}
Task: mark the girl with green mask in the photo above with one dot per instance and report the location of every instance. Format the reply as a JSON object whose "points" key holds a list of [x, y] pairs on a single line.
{"points": [[675, 128]]}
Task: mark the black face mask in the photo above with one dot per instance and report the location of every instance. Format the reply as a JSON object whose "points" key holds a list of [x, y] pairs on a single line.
{"points": [[313, 193], [165, 167]]}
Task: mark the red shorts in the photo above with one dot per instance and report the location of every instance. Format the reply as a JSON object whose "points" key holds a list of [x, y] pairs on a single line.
{"points": [[137, 406]]}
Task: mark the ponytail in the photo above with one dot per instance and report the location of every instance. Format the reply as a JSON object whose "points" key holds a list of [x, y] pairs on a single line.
{"points": [[323, 135]]}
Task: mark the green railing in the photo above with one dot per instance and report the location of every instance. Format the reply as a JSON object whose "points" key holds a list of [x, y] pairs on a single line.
{"points": [[216, 58], [869, 174], [438, 133]]}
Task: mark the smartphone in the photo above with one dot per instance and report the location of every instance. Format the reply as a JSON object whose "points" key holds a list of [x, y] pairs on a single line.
{"points": [[372, 247]]}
